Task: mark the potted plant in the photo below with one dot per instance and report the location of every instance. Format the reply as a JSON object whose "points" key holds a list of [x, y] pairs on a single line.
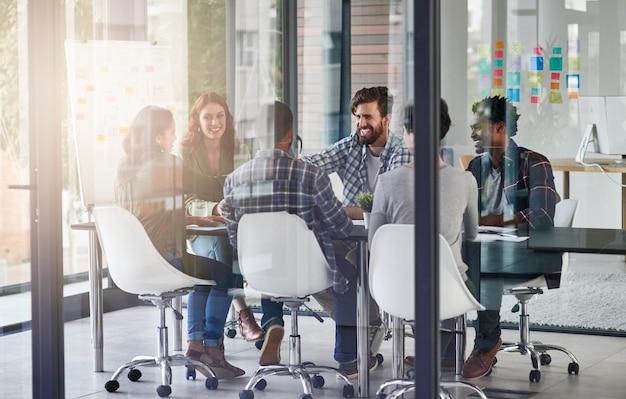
{"points": [[364, 201]]}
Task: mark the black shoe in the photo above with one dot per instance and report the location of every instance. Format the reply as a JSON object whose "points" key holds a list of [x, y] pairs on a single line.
{"points": [[351, 370]]}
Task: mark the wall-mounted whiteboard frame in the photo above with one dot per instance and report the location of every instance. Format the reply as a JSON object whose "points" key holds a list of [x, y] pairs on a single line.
{"points": [[109, 82]]}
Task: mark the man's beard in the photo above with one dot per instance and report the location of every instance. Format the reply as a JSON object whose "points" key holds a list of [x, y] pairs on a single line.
{"points": [[376, 133]]}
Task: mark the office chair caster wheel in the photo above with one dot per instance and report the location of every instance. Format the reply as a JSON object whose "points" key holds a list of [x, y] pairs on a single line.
{"points": [[380, 358], [573, 368], [260, 385], [246, 394], [112, 385], [348, 391], [191, 373], [164, 391], [259, 344], [231, 333], [211, 383], [306, 396], [134, 374], [317, 381], [534, 376], [545, 359]]}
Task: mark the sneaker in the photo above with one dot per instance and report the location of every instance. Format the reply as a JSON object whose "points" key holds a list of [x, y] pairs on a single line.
{"points": [[479, 362], [351, 370], [376, 337], [270, 351]]}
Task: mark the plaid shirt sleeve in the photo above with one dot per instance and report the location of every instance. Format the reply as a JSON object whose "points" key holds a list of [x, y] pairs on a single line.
{"points": [[536, 171]]}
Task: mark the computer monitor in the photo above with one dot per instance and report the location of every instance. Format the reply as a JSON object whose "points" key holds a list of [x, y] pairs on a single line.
{"points": [[613, 141], [592, 119]]}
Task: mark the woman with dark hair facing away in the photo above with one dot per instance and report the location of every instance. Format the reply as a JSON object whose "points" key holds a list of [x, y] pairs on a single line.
{"points": [[209, 147], [151, 183]]}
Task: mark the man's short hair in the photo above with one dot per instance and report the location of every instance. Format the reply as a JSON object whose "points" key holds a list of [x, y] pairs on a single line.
{"points": [[498, 109], [380, 94], [274, 117], [444, 123]]}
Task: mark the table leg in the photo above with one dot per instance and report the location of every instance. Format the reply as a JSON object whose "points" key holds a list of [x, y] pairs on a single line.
{"points": [[565, 185], [95, 301], [362, 317]]}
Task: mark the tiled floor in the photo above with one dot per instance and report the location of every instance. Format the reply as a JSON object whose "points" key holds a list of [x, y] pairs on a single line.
{"points": [[133, 331]]}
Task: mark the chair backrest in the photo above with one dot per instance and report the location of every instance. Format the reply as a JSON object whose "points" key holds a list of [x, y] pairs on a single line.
{"points": [[280, 256], [392, 275], [134, 263], [564, 212]]}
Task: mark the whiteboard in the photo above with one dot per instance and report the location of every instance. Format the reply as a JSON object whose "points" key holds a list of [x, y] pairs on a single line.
{"points": [[109, 82]]}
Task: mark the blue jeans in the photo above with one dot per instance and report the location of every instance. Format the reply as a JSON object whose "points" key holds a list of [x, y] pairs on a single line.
{"points": [[208, 305], [345, 315]]}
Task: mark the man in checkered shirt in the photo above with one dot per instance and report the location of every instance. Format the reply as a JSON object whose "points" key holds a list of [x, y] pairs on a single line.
{"points": [[358, 160]]}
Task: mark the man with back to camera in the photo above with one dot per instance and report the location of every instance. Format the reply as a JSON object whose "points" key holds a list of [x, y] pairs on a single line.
{"points": [[358, 160], [515, 187], [262, 185]]}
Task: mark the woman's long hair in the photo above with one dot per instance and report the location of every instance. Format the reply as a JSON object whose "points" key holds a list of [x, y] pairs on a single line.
{"points": [[194, 136], [140, 144]]}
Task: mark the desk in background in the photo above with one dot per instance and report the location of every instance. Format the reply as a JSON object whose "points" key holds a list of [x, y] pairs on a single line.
{"points": [[582, 240], [567, 165]]}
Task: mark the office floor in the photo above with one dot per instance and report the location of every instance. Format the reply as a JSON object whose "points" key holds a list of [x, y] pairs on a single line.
{"points": [[132, 332]]}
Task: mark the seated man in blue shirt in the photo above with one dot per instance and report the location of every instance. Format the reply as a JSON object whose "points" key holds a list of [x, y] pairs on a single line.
{"points": [[300, 188]]}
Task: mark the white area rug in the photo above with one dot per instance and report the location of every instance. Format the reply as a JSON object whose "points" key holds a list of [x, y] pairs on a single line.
{"points": [[585, 300]]}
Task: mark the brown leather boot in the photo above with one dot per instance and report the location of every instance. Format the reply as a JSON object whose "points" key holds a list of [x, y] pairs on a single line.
{"points": [[214, 357], [248, 327], [219, 364]]}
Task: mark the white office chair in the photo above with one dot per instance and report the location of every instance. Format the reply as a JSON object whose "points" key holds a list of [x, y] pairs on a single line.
{"points": [[137, 268], [524, 292], [392, 284], [280, 257]]}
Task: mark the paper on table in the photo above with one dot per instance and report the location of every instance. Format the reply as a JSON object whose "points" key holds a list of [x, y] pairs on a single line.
{"points": [[358, 222], [482, 236]]}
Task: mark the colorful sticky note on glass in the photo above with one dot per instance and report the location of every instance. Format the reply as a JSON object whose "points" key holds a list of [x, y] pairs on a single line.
{"points": [[498, 54], [497, 72], [572, 46], [556, 63], [535, 91], [498, 63], [499, 45], [149, 68], [535, 79], [555, 85], [515, 62], [513, 78], [572, 81], [497, 82], [513, 94], [572, 93], [515, 48], [555, 97], [573, 63], [538, 51], [555, 76], [497, 92], [534, 99], [484, 81], [484, 68], [483, 50], [484, 92], [557, 50], [101, 137], [536, 63]]}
